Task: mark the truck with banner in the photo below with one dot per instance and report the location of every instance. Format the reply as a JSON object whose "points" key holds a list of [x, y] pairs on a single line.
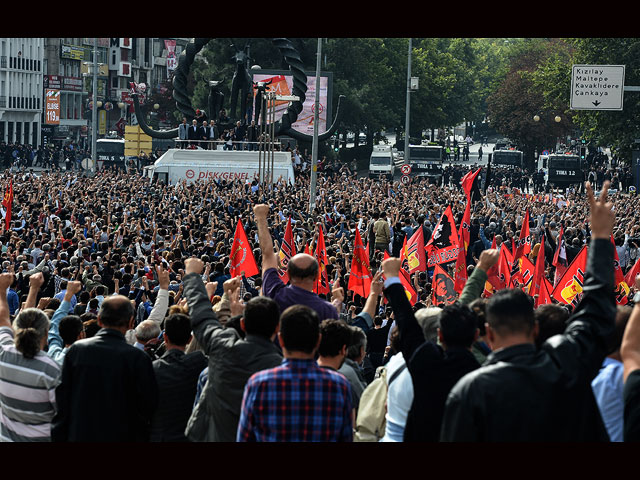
{"points": [[176, 165]]}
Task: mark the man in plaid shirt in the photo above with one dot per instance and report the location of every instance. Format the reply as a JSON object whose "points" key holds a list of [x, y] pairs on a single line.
{"points": [[297, 401]]}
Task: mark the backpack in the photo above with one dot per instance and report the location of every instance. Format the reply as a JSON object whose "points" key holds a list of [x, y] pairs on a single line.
{"points": [[371, 418]]}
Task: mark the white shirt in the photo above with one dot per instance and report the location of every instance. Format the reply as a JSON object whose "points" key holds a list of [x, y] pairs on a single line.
{"points": [[399, 398]]}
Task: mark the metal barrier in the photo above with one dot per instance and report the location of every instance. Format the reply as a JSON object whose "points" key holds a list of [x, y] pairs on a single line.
{"points": [[221, 145]]}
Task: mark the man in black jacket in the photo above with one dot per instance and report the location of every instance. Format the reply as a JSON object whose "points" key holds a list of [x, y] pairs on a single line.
{"points": [[177, 376], [524, 394], [232, 359], [434, 370], [108, 391]]}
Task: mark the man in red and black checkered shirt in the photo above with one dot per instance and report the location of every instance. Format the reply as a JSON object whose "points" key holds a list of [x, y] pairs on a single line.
{"points": [[297, 401]]}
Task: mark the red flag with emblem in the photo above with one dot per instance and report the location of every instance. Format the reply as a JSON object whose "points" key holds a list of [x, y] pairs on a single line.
{"points": [[360, 275], [569, 288], [467, 182], [464, 232], [405, 280], [538, 272], [7, 203], [461, 271], [287, 250], [241, 258], [444, 243], [443, 289], [621, 287], [523, 246], [322, 283], [416, 255]]}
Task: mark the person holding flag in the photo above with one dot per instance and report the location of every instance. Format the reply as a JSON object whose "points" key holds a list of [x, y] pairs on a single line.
{"points": [[303, 274], [7, 203]]}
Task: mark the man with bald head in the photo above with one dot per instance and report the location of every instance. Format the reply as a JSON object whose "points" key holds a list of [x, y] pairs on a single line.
{"points": [[303, 272], [108, 391]]}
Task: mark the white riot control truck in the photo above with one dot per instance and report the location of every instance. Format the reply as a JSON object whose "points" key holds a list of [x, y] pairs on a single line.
{"points": [[176, 165], [381, 163]]}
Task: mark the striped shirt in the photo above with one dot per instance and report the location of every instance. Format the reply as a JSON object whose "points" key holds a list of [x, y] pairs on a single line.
{"points": [[27, 393], [296, 402]]}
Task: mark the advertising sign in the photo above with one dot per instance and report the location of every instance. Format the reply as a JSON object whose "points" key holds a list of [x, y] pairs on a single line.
{"points": [[282, 84], [172, 60], [52, 107], [72, 52]]}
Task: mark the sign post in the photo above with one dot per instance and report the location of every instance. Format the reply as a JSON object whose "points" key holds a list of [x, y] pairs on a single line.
{"points": [[597, 87]]}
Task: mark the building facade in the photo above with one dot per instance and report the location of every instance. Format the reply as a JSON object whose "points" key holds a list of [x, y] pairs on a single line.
{"points": [[21, 87]]}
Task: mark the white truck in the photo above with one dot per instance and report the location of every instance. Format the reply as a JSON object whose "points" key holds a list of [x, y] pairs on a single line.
{"points": [[177, 164], [381, 162]]}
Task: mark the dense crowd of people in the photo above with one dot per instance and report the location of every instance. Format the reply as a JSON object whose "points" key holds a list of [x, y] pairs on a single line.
{"points": [[124, 319]]}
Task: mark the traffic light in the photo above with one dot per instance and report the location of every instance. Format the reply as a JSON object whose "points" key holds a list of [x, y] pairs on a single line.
{"points": [[336, 144], [583, 153]]}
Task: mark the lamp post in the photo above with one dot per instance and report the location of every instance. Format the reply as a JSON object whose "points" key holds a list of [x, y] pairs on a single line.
{"points": [[94, 112], [314, 145], [406, 120]]}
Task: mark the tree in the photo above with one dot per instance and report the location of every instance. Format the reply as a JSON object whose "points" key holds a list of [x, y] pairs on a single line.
{"points": [[617, 129], [522, 95]]}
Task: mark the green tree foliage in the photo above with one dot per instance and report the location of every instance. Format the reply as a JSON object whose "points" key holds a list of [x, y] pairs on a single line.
{"points": [[617, 129]]}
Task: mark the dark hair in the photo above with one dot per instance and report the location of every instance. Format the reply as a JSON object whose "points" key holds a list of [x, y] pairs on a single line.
{"points": [[335, 335], [552, 320], [116, 311], [31, 326], [177, 328], [479, 307], [69, 328], [296, 272], [358, 341], [458, 325], [90, 326], [510, 311], [261, 316], [299, 328]]}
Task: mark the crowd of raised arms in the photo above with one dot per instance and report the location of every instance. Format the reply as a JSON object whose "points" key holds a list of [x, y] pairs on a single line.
{"points": [[137, 311]]}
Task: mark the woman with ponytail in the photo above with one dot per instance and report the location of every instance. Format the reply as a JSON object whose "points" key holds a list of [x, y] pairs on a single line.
{"points": [[28, 376]]}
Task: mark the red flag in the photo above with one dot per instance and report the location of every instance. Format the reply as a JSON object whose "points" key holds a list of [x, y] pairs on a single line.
{"points": [[560, 257], [322, 283], [287, 250], [406, 283], [630, 277], [461, 271], [621, 287], [7, 202], [523, 247], [538, 272], [416, 255], [360, 275], [522, 271], [464, 232], [307, 250], [442, 288], [569, 288], [241, 258], [444, 244], [467, 182], [544, 297]]}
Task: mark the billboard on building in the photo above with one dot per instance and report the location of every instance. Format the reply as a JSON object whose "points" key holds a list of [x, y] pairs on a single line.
{"points": [[52, 107], [282, 84]]}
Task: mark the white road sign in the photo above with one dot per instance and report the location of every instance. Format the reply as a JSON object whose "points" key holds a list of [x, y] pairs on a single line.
{"points": [[597, 87]]}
